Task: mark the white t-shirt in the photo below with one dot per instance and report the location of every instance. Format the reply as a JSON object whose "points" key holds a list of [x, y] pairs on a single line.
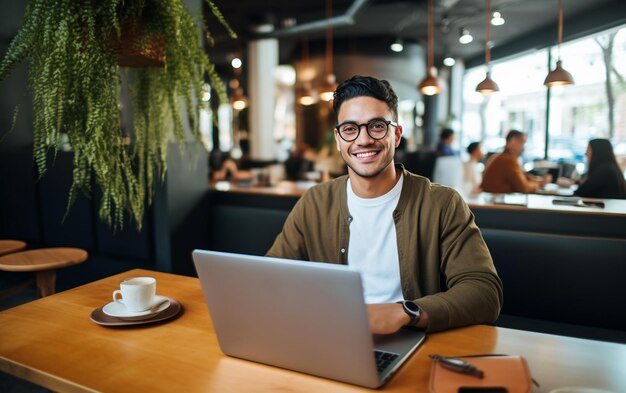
{"points": [[372, 248]]}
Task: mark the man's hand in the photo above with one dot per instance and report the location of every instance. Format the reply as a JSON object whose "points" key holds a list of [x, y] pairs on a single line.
{"points": [[386, 318]]}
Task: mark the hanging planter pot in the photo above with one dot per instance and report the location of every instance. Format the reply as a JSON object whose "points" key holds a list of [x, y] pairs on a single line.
{"points": [[134, 49]]}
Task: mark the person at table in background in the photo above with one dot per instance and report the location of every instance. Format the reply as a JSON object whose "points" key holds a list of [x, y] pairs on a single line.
{"points": [[225, 167], [399, 230], [504, 174], [444, 147], [604, 178], [471, 169], [301, 161]]}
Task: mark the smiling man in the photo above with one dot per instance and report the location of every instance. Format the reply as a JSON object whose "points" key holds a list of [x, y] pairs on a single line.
{"points": [[422, 259]]}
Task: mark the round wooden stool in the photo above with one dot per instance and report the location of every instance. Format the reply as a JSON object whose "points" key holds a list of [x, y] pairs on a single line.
{"points": [[44, 263], [9, 246]]}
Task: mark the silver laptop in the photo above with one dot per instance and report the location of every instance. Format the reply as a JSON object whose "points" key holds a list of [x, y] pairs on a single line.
{"points": [[304, 316]]}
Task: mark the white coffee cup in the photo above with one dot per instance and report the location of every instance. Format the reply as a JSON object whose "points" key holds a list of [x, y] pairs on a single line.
{"points": [[137, 293]]}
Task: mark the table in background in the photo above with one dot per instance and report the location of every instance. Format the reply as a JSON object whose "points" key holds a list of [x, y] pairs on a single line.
{"points": [[44, 262], [9, 246], [53, 343]]}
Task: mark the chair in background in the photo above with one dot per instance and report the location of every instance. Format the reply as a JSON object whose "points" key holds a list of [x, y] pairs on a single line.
{"points": [[448, 171], [421, 162]]}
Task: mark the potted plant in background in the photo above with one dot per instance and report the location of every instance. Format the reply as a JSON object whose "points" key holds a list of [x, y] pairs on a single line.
{"points": [[79, 53]]}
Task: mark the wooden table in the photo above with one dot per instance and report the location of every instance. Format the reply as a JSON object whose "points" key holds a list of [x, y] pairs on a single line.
{"points": [[44, 262], [53, 343], [9, 246]]}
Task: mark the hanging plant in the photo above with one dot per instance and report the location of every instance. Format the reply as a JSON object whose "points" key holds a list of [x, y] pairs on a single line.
{"points": [[72, 48]]}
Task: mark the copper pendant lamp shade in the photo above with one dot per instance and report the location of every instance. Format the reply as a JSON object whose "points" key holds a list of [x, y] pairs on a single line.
{"points": [[559, 76], [487, 86], [430, 85], [306, 95], [240, 101], [327, 90]]}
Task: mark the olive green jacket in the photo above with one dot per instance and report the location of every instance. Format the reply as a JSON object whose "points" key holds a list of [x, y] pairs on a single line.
{"points": [[435, 233]]}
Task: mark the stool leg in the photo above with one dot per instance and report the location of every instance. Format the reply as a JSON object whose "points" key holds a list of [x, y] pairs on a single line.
{"points": [[46, 282]]}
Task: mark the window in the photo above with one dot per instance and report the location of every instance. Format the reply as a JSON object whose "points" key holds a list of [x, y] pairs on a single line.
{"points": [[520, 104], [591, 108]]}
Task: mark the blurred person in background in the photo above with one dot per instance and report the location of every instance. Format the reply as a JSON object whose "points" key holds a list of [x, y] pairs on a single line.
{"points": [[603, 179], [224, 166], [444, 147], [504, 173], [472, 169], [301, 161]]}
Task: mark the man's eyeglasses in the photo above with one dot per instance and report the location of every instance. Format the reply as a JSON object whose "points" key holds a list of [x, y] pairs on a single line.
{"points": [[376, 128]]}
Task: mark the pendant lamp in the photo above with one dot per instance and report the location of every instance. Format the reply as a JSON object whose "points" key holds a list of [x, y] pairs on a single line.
{"points": [[487, 86], [327, 90], [240, 101], [305, 95], [430, 85], [559, 76]]}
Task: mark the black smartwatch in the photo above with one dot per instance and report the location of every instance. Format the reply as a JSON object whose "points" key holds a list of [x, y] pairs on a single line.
{"points": [[412, 310]]}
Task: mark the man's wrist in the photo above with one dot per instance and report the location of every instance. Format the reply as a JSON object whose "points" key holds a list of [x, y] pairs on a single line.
{"points": [[412, 311], [404, 317]]}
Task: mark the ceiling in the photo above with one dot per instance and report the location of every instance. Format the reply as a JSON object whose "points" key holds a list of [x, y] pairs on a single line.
{"points": [[377, 22]]}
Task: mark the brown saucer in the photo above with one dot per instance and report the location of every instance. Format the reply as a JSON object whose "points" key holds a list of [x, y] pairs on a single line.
{"points": [[98, 316]]}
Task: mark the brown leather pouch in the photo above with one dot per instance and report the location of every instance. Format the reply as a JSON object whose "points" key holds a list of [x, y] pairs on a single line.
{"points": [[502, 374]]}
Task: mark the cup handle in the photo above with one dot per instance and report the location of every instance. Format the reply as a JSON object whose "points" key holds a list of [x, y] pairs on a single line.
{"points": [[115, 293]]}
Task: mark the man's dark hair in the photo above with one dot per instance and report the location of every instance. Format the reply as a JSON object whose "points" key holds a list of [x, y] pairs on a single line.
{"points": [[472, 147], [445, 134], [366, 86], [513, 134]]}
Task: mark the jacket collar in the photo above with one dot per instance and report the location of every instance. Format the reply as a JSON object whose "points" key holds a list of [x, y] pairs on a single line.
{"points": [[405, 194]]}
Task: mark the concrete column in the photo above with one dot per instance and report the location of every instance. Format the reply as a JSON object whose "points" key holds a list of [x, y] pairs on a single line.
{"points": [[262, 62], [456, 99]]}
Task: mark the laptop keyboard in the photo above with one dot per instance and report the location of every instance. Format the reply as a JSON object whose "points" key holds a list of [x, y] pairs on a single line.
{"points": [[384, 359]]}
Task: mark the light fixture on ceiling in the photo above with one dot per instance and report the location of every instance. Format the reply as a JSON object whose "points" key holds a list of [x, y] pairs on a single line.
{"points": [[305, 95], [449, 61], [236, 62], [397, 46], [430, 85], [465, 37], [487, 86], [497, 19], [239, 100], [559, 76], [327, 89]]}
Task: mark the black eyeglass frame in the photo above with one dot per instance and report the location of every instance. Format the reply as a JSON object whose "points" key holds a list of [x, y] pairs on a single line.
{"points": [[387, 123]]}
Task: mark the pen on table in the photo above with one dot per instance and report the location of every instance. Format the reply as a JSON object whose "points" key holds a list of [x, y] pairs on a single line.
{"points": [[457, 365]]}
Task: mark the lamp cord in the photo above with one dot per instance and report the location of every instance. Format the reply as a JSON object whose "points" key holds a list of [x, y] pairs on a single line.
{"points": [[560, 38], [329, 37], [488, 34], [431, 33]]}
